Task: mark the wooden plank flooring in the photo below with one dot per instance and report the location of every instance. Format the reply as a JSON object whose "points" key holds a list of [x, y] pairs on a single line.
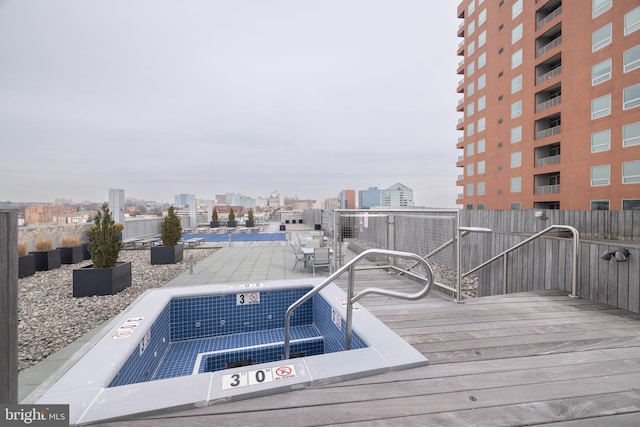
{"points": [[520, 359]]}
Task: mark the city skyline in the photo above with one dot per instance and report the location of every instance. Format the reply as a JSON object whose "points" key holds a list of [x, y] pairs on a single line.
{"points": [[165, 97]]}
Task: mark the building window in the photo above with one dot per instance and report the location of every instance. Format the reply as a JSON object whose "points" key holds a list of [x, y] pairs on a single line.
{"points": [[516, 159], [470, 109], [481, 146], [515, 206], [601, 72], [516, 185], [470, 169], [599, 7], [482, 39], [631, 59], [482, 102], [599, 205], [516, 84], [632, 21], [470, 149], [601, 141], [482, 81], [630, 135], [516, 109], [481, 124], [471, 8], [470, 206], [516, 33], [471, 68], [469, 190], [516, 59], [631, 205], [601, 107], [516, 134], [631, 172], [481, 206], [481, 167], [482, 17], [471, 88], [471, 28], [480, 189], [482, 60], [516, 9], [471, 48], [471, 129], [600, 175], [631, 97], [601, 37]]}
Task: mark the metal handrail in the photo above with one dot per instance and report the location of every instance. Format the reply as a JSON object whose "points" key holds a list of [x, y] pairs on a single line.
{"points": [[503, 254], [351, 299]]}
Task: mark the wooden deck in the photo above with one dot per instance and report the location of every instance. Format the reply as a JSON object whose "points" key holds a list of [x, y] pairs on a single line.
{"points": [[521, 359]]}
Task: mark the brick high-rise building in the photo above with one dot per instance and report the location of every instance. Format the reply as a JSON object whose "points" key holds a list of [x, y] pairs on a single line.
{"points": [[550, 104]]}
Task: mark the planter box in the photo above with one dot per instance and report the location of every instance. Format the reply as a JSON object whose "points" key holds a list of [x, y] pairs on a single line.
{"points": [[26, 265], [166, 254], [214, 224], [233, 223], [249, 223], [71, 255], [85, 251], [89, 281], [47, 260]]}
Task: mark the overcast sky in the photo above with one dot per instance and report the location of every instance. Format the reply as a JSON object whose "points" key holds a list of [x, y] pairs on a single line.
{"points": [[305, 97]]}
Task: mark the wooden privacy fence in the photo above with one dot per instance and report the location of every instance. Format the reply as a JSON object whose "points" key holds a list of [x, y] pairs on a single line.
{"points": [[546, 263]]}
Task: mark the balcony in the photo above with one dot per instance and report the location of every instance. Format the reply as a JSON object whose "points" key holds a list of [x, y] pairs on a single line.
{"points": [[461, 48], [548, 17], [461, 29], [549, 103], [460, 106], [546, 161], [545, 133], [460, 125], [460, 88], [460, 67], [547, 189], [549, 75], [547, 47]]}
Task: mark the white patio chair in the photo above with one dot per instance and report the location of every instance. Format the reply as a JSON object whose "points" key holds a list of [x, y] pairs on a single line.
{"points": [[298, 254], [321, 259]]}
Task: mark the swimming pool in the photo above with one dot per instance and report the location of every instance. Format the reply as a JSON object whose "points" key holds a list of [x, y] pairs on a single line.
{"points": [[203, 345]]}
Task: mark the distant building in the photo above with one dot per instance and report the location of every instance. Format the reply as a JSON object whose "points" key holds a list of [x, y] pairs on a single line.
{"points": [[370, 198], [184, 200], [274, 200], [549, 104], [397, 196], [347, 199], [51, 214]]}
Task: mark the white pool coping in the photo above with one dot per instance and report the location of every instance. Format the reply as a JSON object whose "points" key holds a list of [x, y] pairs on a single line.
{"points": [[85, 386]]}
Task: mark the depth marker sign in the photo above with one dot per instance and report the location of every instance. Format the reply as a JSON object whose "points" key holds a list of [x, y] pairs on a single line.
{"points": [[260, 376]]}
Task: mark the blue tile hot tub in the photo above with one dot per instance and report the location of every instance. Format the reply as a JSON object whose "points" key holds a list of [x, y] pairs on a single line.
{"points": [[202, 345]]}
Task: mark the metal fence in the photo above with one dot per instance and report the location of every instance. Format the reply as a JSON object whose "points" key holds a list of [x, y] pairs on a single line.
{"points": [[428, 233]]}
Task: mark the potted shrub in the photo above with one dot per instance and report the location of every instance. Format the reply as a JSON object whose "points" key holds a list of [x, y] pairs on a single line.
{"points": [[106, 276], [26, 261], [249, 222], [214, 219], [47, 258], [70, 250], [170, 233], [232, 218]]}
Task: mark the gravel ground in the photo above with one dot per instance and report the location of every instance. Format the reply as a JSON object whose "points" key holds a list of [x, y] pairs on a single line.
{"points": [[49, 317]]}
